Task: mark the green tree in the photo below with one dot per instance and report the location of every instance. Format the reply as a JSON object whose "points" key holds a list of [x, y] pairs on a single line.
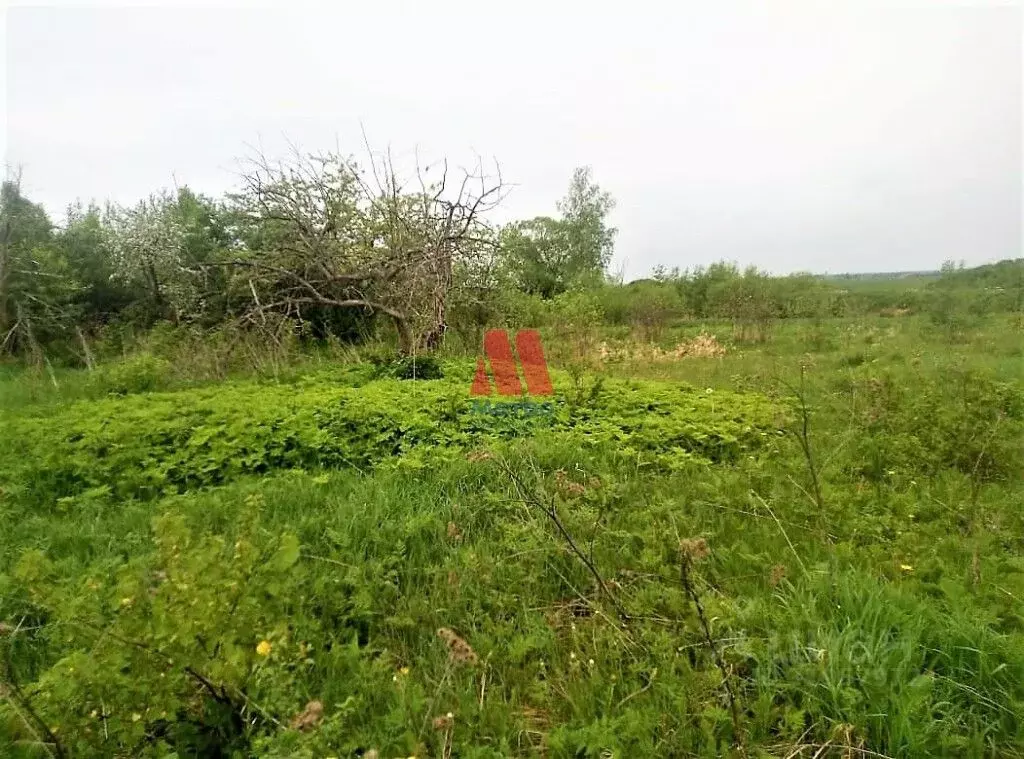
{"points": [[35, 282], [585, 210], [537, 254], [159, 250], [147, 244], [83, 243], [547, 256]]}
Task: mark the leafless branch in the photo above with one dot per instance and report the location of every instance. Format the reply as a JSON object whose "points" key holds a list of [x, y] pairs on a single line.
{"points": [[324, 236]]}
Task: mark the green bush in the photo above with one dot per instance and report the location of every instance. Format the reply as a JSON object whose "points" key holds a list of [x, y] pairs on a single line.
{"points": [[142, 447], [426, 367], [172, 583], [141, 373], [966, 421]]}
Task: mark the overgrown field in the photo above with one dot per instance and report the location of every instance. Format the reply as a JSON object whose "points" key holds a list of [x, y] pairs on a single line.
{"points": [[809, 545]]}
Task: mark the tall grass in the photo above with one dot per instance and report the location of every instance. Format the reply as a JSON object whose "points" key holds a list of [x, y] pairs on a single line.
{"points": [[882, 618]]}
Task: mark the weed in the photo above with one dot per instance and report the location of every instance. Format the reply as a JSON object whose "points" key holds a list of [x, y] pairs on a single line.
{"points": [[317, 560]]}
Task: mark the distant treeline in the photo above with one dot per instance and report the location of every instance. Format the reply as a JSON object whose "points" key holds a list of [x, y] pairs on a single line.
{"points": [[312, 250]]}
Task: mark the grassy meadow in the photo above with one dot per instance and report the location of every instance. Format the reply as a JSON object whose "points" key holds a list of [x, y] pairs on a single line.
{"points": [[806, 541]]}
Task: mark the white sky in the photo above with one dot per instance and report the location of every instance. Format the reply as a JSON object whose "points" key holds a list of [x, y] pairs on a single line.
{"points": [[787, 135]]}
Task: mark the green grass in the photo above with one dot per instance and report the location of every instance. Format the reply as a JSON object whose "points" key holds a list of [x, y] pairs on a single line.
{"points": [[155, 538]]}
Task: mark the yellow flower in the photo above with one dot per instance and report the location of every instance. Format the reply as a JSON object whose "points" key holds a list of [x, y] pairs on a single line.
{"points": [[906, 568], [404, 670], [263, 648], [136, 717]]}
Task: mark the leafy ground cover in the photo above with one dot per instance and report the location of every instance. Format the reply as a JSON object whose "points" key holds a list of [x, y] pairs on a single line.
{"points": [[811, 546]]}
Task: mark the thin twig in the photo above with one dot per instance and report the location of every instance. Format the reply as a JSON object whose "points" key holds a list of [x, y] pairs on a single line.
{"points": [[803, 436], [644, 689], [781, 529], [549, 510], [437, 692], [800, 748], [483, 682], [691, 591], [11, 690]]}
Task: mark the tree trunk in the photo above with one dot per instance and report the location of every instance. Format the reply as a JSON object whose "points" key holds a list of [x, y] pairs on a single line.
{"points": [[432, 338], [406, 343]]}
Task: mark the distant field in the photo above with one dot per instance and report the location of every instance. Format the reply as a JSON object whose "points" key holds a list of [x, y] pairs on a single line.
{"points": [[809, 545]]}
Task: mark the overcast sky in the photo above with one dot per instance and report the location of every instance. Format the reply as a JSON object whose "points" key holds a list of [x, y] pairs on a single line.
{"points": [[784, 135]]}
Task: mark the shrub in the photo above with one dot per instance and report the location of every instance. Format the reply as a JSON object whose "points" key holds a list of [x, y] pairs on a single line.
{"points": [[140, 373], [139, 447], [424, 367], [966, 421]]}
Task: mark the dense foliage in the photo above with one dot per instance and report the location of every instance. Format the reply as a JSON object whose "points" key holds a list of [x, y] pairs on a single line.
{"points": [[241, 516], [309, 249], [331, 561], [147, 445]]}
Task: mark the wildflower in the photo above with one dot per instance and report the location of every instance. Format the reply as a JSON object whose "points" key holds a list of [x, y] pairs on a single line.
{"points": [[459, 651], [263, 648], [136, 717], [778, 573], [907, 567], [309, 717], [566, 486], [404, 671], [444, 722], [694, 549]]}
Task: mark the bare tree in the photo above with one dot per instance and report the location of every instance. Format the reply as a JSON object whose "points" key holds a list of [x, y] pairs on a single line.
{"points": [[320, 231]]}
